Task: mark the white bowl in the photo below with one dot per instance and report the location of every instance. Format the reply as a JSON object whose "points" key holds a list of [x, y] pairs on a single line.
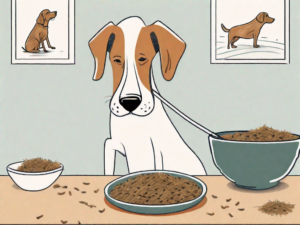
{"points": [[34, 181]]}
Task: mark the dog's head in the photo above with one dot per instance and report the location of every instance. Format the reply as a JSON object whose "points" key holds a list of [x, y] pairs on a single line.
{"points": [[263, 17], [45, 16], [132, 47]]}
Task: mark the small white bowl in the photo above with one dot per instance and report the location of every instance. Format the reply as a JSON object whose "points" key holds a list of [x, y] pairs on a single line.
{"points": [[34, 181]]}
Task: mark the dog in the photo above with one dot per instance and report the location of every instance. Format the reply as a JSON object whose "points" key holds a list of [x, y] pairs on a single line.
{"points": [[139, 126], [39, 32], [248, 30]]}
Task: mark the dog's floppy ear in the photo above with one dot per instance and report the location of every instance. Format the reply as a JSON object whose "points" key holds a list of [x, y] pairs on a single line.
{"points": [[100, 44], [261, 17], [170, 46], [41, 18]]}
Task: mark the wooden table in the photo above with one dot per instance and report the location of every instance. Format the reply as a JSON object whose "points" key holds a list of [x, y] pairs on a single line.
{"points": [[22, 207]]}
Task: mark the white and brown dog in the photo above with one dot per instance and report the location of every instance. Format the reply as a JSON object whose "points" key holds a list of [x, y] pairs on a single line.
{"points": [[140, 128]]}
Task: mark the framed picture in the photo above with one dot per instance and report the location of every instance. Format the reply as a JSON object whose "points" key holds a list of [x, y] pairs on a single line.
{"points": [[250, 31], [42, 32]]}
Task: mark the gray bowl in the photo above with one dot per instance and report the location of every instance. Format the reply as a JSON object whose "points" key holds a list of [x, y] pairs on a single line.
{"points": [[254, 165], [154, 209]]}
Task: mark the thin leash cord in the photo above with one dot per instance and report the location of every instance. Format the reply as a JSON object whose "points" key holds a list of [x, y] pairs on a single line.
{"points": [[184, 116]]}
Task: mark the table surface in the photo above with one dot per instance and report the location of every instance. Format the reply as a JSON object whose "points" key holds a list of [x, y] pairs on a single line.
{"points": [[22, 207]]}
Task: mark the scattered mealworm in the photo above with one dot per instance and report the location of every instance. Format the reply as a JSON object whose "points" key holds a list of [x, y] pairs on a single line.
{"points": [[228, 200], [70, 193], [82, 202], [39, 217], [101, 211], [224, 207], [56, 186], [237, 203], [76, 188], [211, 214], [96, 191], [61, 193], [83, 192], [230, 215], [241, 209], [64, 186], [86, 183], [214, 196], [92, 206], [64, 222]]}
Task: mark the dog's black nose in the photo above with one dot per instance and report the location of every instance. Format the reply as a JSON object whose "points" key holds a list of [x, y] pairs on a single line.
{"points": [[55, 13], [130, 103]]}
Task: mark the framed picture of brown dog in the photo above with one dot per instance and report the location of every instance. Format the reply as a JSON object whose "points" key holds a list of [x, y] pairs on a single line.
{"points": [[250, 31], [42, 32]]}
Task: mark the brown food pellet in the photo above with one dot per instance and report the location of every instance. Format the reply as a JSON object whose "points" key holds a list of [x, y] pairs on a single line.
{"points": [[83, 192], [228, 200], [96, 191], [263, 134], [76, 188], [164, 189], [211, 214], [276, 208], [79, 222], [64, 222], [237, 203], [230, 215], [61, 193], [86, 183], [101, 211], [241, 209], [39, 217], [64, 186], [224, 207], [56, 186], [70, 193], [38, 165], [214, 196]]}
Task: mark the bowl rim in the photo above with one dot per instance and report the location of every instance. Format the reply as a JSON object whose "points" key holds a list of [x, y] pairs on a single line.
{"points": [[9, 169], [252, 142], [127, 176]]}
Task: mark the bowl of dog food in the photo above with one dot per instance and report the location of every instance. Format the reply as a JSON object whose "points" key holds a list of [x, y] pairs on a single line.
{"points": [[34, 174], [155, 192], [256, 159]]}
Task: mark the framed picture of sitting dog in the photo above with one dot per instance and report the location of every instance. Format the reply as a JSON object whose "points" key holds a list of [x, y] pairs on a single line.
{"points": [[42, 32], [250, 31]]}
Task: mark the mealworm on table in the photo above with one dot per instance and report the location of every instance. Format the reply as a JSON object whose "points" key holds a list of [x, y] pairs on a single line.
{"points": [[241, 209], [92, 206], [228, 200], [237, 203], [39, 217], [56, 186], [61, 193], [214, 196], [86, 183], [83, 192], [70, 193], [76, 188], [230, 215], [211, 214], [101, 211], [82, 202], [64, 186], [64, 222], [96, 191], [224, 207]]}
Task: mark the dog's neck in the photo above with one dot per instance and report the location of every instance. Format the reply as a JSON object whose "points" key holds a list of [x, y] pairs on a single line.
{"points": [[41, 24]]}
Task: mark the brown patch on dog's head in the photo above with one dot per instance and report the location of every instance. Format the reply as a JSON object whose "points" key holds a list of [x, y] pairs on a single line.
{"points": [[263, 17], [45, 16], [154, 38], [109, 39]]}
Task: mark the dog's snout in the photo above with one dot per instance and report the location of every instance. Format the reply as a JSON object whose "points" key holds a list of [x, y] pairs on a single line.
{"points": [[130, 103], [55, 12]]}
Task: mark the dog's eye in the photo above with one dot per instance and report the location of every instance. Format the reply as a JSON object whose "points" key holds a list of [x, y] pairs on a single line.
{"points": [[117, 60], [142, 59]]}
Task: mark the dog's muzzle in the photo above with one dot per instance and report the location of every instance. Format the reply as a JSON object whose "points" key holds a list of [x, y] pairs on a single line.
{"points": [[130, 103]]}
